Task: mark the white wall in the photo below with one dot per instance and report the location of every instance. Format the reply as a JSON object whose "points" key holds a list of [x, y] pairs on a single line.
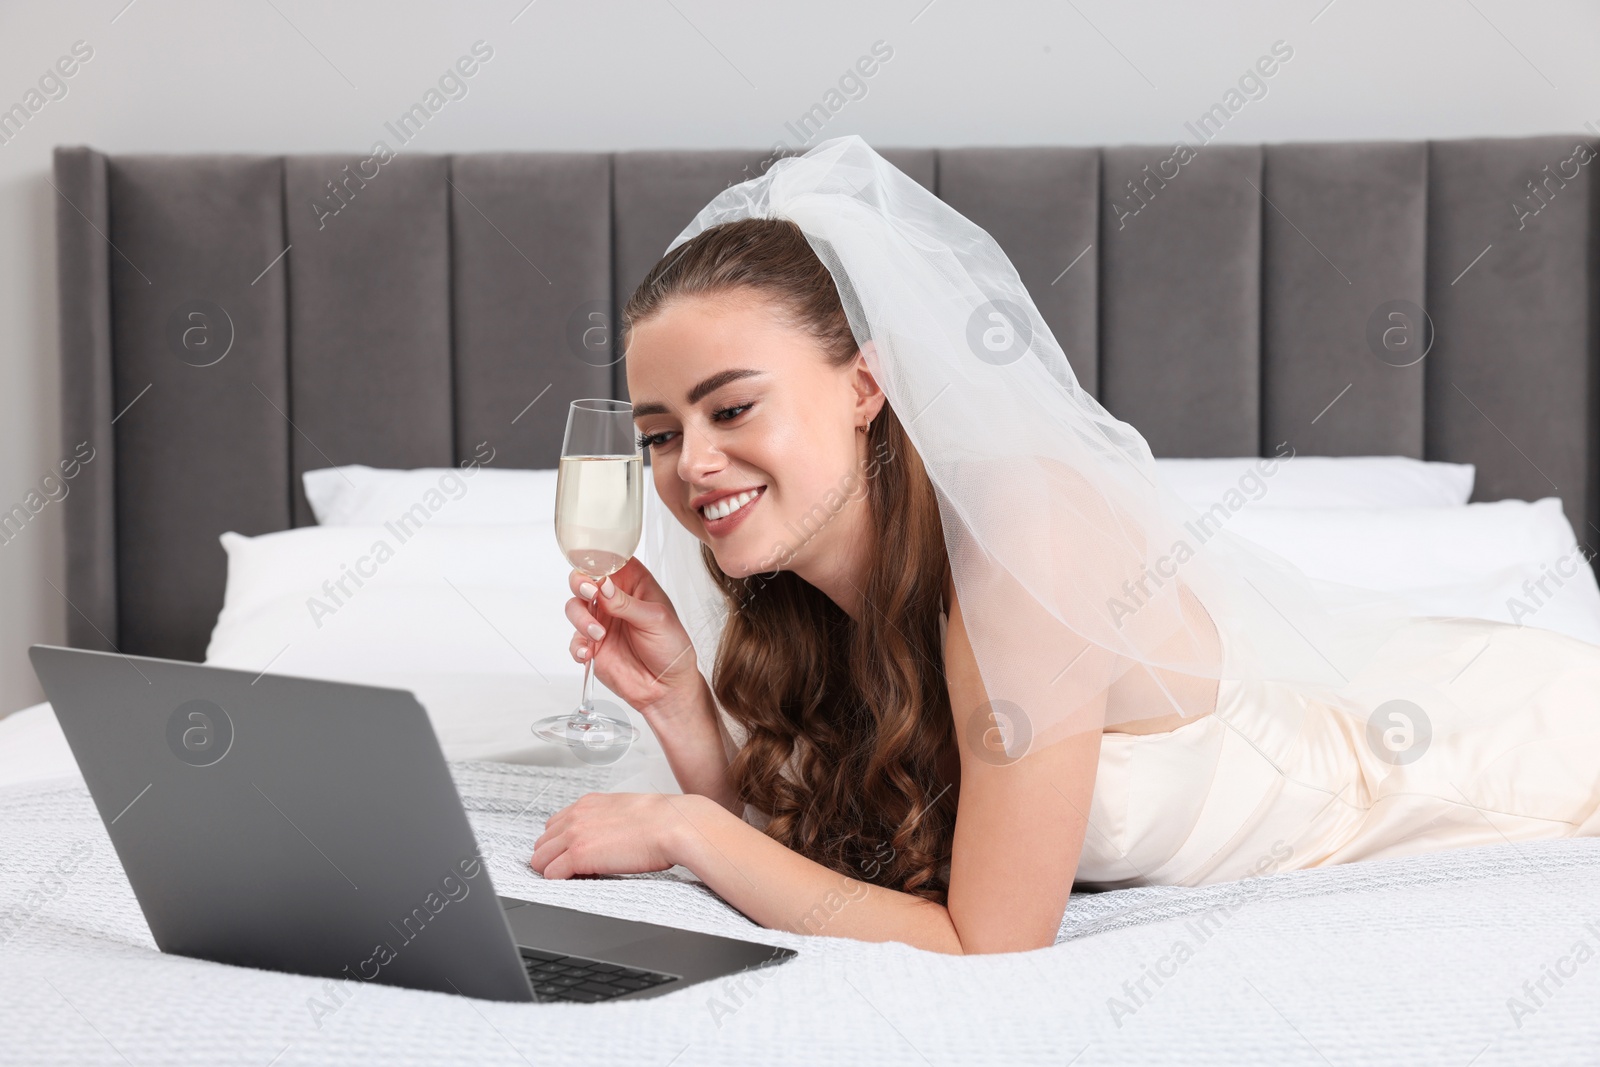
{"points": [[293, 76]]}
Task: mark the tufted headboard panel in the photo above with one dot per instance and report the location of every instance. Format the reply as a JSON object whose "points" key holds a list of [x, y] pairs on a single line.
{"points": [[229, 321]]}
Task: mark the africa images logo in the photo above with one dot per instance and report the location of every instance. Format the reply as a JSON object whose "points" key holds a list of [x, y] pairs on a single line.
{"points": [[199, 733]]}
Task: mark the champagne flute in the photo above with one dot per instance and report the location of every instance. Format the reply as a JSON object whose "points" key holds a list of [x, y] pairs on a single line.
{"points": [[599, 518]]}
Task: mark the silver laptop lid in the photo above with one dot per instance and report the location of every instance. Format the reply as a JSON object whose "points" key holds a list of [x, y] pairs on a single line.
{"points": [[285, 823]]}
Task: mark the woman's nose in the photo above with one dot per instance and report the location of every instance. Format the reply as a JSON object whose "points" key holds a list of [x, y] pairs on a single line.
{"points": [[698, 456]]}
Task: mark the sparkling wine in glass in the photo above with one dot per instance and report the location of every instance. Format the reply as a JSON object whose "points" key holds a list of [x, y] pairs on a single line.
{"points": [[599, 518]]}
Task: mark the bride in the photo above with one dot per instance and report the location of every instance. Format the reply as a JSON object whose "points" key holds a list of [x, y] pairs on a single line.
{"points": [[972, 650]]}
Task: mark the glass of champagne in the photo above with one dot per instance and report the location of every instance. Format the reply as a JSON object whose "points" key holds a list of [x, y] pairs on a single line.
{"points": [[599, 518]]}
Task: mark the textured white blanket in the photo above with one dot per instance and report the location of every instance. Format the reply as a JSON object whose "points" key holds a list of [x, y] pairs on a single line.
{"points": [[1480, 956]]}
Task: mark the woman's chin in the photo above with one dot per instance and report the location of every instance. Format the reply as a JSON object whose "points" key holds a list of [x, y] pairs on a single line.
{"points": [[736, 566], [736, 563]]}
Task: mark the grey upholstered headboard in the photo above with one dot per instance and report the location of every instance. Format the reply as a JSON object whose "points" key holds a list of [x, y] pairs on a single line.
{"points": [[1223, 300]]}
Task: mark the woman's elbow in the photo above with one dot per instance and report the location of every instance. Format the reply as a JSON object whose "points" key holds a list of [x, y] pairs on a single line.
{"points": [[1002, 938], [978, 947]]}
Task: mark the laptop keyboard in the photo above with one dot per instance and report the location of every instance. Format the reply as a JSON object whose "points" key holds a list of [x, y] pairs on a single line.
{"points": [[558, 977]]}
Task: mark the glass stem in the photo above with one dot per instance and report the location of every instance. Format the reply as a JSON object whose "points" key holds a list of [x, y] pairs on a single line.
{"points": [[586, 706]]}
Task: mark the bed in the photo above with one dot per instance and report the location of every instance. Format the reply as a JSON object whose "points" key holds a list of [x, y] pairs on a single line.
{"points": [[453, 305]]}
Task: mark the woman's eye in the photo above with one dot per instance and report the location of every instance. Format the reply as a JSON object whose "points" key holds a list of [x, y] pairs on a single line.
{"points": [[650, 440]]}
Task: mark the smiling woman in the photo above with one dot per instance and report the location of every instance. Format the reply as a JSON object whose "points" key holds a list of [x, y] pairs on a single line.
{"points": [[948, 706], [867, 751]]}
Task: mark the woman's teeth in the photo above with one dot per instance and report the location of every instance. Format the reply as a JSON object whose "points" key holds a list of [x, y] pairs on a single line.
{"points": [[728, 505]]}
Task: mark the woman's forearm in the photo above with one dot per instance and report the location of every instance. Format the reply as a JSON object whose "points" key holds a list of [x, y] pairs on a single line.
{"points": [[783, 890], [692, 739]]}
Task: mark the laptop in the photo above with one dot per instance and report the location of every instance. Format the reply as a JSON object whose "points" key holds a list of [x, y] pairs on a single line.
{"points": [[313, 827]]}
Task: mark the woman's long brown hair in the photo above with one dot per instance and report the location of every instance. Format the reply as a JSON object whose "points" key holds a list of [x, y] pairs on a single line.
{"points": [[857, 713]]}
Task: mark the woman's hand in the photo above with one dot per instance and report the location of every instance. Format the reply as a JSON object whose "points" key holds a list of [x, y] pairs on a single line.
{"points": [[612, 833], [643, 654], [645, 657]]}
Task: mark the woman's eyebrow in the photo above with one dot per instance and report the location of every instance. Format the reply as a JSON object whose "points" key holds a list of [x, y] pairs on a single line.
{"points": [[700, 391]]}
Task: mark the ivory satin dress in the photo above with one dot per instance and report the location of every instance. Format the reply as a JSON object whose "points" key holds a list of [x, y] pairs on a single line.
{"points": [[1498, 740]]}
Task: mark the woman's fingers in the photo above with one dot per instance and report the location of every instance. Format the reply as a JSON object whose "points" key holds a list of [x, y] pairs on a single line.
{"points": [[617, 603], [633, 576], [585, 587], [629, 594], [556, 821], [583, 621], [552, 829], [577, 580], [546, 852]]}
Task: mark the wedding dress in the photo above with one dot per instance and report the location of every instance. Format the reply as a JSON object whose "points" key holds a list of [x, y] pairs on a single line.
{"points": [[1497, 739], [1493, 736]]}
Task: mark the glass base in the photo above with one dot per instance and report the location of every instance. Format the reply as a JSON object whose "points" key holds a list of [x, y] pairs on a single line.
{"points": [[587, 733]]}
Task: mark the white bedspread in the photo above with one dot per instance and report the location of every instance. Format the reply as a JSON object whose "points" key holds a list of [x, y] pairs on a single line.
{"points": [[1414, 960]]}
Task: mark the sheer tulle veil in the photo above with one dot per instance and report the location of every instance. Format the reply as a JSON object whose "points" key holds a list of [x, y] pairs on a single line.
{"points": [[1081, 575]]}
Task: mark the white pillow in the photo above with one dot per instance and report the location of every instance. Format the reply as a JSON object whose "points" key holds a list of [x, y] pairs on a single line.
{"points": [[467, 598], [469, 618], [1295, 481], [356, 495], [1484, 560]]}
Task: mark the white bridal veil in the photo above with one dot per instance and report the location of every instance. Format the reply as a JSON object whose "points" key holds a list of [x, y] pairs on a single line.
{"points": [[1091, 593]]}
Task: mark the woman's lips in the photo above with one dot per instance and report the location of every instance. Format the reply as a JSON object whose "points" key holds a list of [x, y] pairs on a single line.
{"points": [[728, 523]]}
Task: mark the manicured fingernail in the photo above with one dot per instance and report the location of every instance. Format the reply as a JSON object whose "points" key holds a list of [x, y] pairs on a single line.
{"points": [[583, 653], [608, 589], [595, 631], [587, 589]]}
